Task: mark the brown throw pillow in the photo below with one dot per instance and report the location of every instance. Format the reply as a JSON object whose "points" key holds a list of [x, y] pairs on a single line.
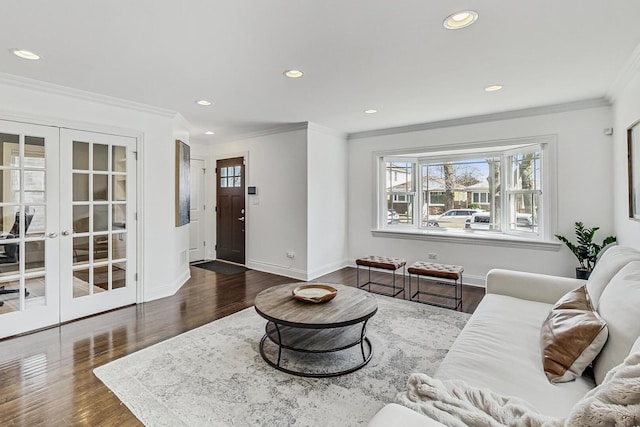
{"points": [[571, 337]]}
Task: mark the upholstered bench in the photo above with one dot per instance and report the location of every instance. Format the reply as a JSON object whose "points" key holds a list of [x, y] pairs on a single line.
{"points": [[445, 275], [383, 263]]}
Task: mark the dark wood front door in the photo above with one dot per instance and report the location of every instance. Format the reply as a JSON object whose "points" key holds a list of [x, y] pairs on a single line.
{"points": [[230, 213]]}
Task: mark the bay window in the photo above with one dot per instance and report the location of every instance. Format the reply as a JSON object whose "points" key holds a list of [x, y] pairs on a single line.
{"points": [[493, 190]]}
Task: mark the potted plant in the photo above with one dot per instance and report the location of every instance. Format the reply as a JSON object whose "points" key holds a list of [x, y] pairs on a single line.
{"points": [[586, 250]]}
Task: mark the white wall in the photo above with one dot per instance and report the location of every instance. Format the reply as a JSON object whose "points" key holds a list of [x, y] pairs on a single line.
{"points": [[327, 201], [276, 217], [584, 158], [626, 112], [162, 271]]}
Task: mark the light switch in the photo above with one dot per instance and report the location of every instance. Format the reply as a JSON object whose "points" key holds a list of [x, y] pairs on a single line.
{"points": [[255, 200]]}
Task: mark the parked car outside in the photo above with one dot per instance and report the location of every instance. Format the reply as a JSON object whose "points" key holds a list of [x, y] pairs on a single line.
{"points": [[454, 218], [392, 216], [482, 221]]}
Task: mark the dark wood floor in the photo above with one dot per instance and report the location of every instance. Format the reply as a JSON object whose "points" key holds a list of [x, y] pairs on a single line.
{"points": [[46, 378]]}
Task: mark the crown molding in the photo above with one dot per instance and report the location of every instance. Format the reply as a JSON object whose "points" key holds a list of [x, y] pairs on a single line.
{"points": [[628, 72], [283, 128], [27, 83], [327, 131], [505, 115]]}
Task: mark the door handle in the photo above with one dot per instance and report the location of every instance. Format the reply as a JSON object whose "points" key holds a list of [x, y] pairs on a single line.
{"points": [[52, 235], [241, 219], [65, 233]]}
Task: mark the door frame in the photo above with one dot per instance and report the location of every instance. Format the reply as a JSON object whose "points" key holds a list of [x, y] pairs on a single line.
{"points": [[214, 198], [63, 123], [205, 188]]}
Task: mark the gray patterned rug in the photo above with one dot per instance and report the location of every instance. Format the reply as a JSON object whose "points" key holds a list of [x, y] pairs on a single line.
{"points": [[214, 375]]}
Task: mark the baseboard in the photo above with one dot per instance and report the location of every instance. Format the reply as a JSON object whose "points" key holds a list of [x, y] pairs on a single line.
{"points": [[326, 269], [277, 269], [167, 290]]}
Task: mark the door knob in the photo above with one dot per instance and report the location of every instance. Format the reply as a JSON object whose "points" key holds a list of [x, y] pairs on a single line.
{"points": [[52, 235], [241, 219], [65, 233]]}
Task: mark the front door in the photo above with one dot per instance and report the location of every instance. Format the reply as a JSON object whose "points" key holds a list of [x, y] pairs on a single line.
{"points": [[29, 221], [98, 217], [230, 213]]}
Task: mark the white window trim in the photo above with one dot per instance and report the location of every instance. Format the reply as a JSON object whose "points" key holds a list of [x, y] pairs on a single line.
{"points": [[547, 228]]}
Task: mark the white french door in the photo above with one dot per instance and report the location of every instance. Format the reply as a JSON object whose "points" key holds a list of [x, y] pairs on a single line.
{"points": [[97, 217], [29, 248], [67, 215]]}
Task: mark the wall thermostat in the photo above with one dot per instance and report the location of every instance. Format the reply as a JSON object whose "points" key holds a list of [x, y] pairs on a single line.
{"points": [[252, 190]]}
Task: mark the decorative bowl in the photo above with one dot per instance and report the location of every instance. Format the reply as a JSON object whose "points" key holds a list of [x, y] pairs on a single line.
{"points": [[316, 293]]}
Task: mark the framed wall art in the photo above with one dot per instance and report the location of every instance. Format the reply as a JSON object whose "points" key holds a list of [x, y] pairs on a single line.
{"points": [[183, 183]]}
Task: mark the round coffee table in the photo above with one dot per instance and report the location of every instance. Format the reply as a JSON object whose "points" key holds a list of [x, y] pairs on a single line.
{"points": [[319, 328]]}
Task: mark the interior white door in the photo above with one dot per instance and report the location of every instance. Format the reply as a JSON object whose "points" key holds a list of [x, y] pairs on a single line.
{"points": [[196, 226], [29, 216], [98, 216]]}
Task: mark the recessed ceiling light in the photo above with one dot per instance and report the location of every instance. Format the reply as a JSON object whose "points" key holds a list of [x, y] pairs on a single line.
{"points": [[203, 102], [209, 133], [25, 54], [293, 74], [458, 20], [370, 111], [493, 88]]}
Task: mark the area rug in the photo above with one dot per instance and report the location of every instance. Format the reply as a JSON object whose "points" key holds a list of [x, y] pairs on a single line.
{"points": [[221, 267], [214, 375]]}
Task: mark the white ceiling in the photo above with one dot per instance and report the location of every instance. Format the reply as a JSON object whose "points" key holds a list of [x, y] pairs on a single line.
{"points": [[392, 55]]}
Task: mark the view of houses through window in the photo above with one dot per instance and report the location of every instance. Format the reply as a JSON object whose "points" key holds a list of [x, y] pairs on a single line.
{"points": [[495, 191]]}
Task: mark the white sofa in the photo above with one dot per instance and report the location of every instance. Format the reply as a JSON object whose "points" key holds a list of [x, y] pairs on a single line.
{"points": [[499, 348]]}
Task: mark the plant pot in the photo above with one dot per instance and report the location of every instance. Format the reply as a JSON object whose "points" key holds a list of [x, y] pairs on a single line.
{"points": [[582, 273]]}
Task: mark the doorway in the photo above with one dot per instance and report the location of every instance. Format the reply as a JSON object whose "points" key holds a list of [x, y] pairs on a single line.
{"points": [[230, 210], [197, 217], [67, 216]]}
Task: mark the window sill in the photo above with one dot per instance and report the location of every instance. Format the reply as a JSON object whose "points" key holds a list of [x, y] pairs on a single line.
{"points": [[468, 237]]}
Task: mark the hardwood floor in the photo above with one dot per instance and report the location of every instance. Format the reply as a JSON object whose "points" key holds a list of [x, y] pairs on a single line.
{"points": [[46, 378]]}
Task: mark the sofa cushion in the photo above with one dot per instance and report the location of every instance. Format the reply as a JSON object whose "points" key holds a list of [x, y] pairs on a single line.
{"points": [[571, 336], [499, 349], [620, 308], [608, 266]]}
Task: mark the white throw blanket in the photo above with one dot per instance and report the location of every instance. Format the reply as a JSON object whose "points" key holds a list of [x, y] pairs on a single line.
{"points": [[456, 404], [616, 402]]}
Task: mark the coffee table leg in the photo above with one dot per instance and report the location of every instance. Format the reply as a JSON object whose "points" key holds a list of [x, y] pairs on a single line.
{"points": [[363, 334], [266, 336]]}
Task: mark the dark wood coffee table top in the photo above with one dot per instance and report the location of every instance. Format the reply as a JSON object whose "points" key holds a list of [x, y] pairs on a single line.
{"points": [[350, 306]]}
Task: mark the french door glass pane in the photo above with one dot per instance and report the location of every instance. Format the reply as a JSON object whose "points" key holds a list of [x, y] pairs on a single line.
{"points": [[119, 188], [80, 155], [8, 146], [100, 184], [80, 187], [100, 248], [81, 283], [100, 157], [80, 250], [100, 279], [119, 275], [34, 256], [81, 219], [100, 217], [36, 291], [119, 217], [119, 246], [119, 159], [11, 300]]}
